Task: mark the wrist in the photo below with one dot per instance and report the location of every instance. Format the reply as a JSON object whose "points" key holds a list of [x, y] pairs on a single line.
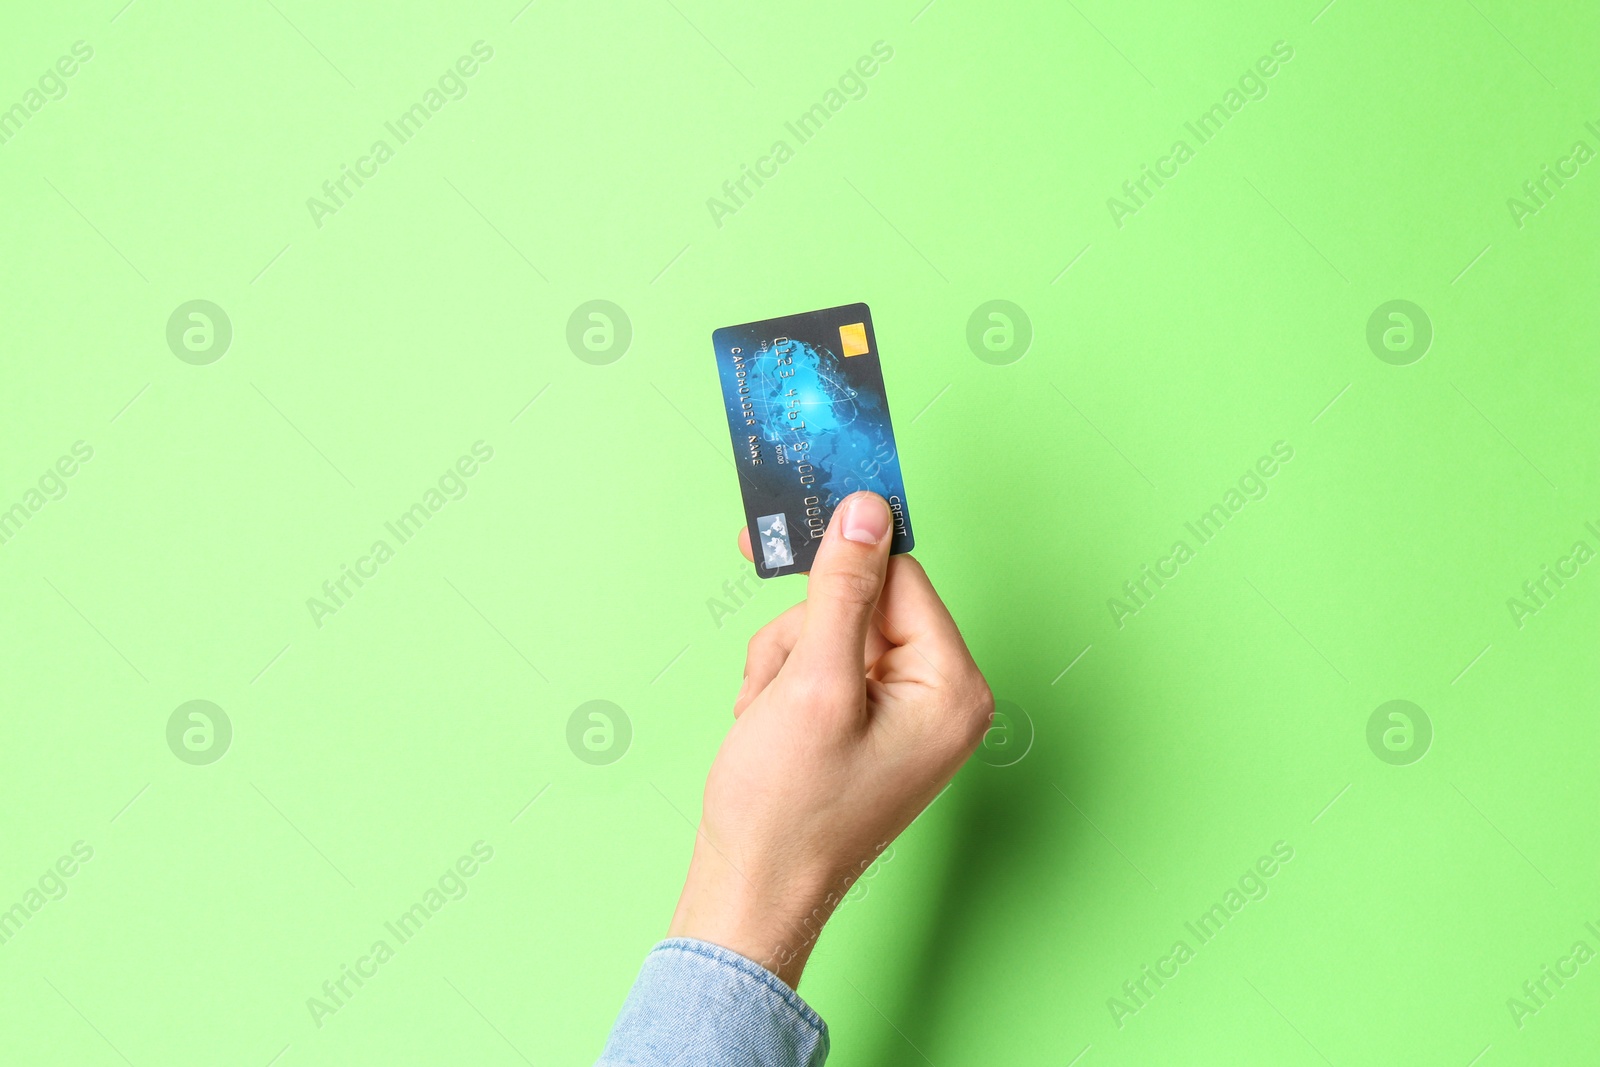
{"points": [[774, 924], [771, 917]]}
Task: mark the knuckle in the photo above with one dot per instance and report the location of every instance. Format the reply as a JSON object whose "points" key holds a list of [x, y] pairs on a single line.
{"points": [[982, 700], [824, 694], [759, 643], [816, 688], [975, 712], [976, 731]]}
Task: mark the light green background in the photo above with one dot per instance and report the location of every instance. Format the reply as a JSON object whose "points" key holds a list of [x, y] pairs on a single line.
{"points": [[1229, 313]]}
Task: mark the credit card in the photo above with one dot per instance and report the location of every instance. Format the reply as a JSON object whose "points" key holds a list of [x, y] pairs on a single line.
{"points": [[809, 422]]}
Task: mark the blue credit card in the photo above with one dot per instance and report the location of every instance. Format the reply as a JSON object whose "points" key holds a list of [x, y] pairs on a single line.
{"points": [[810, 425]]}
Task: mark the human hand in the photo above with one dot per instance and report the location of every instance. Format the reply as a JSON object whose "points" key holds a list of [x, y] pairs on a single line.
{"points": [[858, 705]]}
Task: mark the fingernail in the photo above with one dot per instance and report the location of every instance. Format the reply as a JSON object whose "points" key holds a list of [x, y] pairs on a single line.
{"points": [[866, 519]]}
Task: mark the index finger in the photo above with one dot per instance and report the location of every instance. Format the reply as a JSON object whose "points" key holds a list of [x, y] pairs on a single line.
{"points": [[911, 614]]}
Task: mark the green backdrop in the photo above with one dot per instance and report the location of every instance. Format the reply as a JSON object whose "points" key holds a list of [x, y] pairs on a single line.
{"points": [[397, 501]]}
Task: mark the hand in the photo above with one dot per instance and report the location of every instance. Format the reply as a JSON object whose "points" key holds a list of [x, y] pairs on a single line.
{"points": [[858, 705]]}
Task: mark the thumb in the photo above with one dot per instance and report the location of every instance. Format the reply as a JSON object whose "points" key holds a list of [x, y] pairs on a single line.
{"points": [[845, 583]]}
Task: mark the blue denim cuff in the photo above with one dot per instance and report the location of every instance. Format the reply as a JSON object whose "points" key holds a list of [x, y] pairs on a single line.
{"points": [[701, 1004]]}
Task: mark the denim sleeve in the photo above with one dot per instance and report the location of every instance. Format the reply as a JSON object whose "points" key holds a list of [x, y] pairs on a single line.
{"points": [[701, 1004]]}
